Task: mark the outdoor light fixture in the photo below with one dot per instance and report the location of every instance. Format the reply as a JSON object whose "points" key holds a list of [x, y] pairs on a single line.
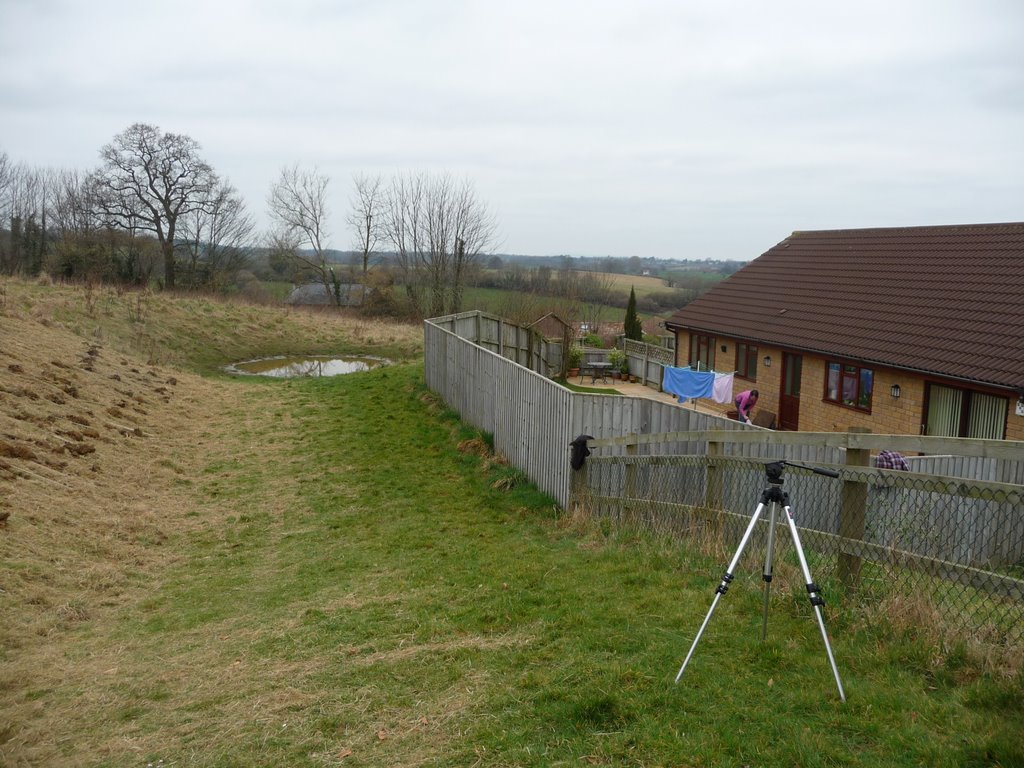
{"points": [[725, 348], [894, 390], [767, 361]]}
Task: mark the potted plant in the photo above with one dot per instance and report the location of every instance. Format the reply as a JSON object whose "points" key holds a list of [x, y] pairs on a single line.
{"points": [[618, 361], [574, 359]]}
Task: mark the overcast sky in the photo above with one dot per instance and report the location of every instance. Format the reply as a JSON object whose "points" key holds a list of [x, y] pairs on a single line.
{"points": [[676, 128]]}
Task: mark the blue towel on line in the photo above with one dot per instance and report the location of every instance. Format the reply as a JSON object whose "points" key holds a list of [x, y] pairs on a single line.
{"points": [[686, 382]]}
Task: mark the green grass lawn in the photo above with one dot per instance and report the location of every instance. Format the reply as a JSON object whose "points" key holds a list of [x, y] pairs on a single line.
{"points": [[386, 593]]}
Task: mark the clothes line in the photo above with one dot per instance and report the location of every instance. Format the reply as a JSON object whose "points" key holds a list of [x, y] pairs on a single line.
{"points": [[686, 383]]}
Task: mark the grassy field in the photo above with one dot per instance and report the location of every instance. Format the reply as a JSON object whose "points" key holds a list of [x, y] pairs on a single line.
{"points": [[338, 573]]}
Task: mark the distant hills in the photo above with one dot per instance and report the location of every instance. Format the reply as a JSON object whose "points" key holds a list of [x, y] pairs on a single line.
{"points": [[616, 264]]}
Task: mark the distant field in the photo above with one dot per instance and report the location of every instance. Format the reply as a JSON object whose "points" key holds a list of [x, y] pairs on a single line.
{"points": [[512, 304], [642, 284], [519, 306]]}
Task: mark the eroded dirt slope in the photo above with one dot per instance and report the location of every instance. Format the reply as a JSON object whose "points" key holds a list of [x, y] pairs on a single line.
{"points": [[96, 450]]}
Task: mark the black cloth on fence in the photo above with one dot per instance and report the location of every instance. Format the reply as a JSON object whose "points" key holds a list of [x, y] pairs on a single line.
{"points": [[579, 451]]}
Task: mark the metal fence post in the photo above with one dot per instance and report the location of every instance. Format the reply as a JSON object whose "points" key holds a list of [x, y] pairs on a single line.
{"points": [[852, 515], [629, 489], [714, 491]]}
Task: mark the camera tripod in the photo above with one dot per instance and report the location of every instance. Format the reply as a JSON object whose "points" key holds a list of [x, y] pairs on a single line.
{"points": [[773, 497]]}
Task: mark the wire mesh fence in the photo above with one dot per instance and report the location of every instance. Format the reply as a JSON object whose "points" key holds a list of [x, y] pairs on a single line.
{"points": [[953, 547]]}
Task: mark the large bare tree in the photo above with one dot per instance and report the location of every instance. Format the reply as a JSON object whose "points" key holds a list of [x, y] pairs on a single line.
{"points": [[438, 228], [297, 204], [365, 218], [150, 180]]}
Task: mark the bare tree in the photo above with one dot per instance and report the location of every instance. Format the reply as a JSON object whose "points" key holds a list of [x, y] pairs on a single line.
{"points": [[6, 169], [281, 249], [217, 241], [81, 245], [23, 203], [150, 180], [365, 217], [438, 227], [298, 205], [71, 212]]}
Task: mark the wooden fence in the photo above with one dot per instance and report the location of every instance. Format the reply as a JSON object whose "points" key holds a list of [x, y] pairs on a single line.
{"points": [[961, 508], [524, 346], [502, 386], [647, 362], [534, 419]]}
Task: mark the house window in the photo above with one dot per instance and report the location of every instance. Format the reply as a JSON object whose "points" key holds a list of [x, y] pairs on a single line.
{"points": [[702, 352], [965, 413], [849, 385], [746, 361]]}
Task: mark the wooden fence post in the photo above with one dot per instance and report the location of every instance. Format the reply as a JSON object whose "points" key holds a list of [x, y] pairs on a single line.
{"points": [[577, 487], [852, 515]]}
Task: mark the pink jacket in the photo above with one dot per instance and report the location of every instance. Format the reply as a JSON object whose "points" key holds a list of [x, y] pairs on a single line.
{"points": [[744, 402]]}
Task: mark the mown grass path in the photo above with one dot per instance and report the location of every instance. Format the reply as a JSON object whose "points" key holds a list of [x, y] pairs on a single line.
{"points": [[367, 593]]}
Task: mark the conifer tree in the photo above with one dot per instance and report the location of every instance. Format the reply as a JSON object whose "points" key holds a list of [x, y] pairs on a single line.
{"points": [[632, 326]]}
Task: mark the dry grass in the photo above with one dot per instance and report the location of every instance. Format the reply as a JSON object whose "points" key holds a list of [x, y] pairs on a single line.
{"points": [[100, 446]]}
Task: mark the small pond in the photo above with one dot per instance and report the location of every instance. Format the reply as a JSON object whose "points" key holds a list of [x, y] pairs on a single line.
{"points": [[307, 365]]}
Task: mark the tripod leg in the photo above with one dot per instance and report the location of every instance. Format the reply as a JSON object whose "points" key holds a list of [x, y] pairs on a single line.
{"points": [[813, 592], [767, 573], [723, 587]]}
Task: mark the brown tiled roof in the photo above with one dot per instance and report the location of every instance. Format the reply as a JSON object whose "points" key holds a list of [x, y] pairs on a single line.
{"points": [[944, 300]]}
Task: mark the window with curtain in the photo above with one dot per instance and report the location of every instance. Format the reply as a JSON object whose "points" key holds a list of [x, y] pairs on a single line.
{"points": [[956, 412], [849, 385]]}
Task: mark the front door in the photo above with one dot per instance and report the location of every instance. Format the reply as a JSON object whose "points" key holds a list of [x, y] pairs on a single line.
{"points": [[789, 398]]}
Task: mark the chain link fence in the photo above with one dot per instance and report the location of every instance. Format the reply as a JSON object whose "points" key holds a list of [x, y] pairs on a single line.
{"points": [[953, 549]]}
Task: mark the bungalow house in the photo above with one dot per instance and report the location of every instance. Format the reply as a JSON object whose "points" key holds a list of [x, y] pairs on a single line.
{"points": [[909, 330]]}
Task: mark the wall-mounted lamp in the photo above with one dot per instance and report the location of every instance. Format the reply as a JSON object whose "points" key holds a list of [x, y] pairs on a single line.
{"points": [[894, 390], [767, 361], [725, 348]]}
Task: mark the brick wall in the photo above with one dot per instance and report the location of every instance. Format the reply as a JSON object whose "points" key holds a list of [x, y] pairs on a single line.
{"points": [[897, 416]]}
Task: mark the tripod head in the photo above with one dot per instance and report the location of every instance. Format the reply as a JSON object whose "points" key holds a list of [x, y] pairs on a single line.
{"points": [[774, 471]]}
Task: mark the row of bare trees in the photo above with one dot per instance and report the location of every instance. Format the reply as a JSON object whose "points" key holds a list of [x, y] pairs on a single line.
{"points": [[152, 209], [436, 228], [155, 210]]}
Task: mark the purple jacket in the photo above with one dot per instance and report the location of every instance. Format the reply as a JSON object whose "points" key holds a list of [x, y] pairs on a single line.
{"points": [[744, 402]]}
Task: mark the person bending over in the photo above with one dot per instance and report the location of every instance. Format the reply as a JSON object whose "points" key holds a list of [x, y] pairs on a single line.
{"points": [[745, 402]]}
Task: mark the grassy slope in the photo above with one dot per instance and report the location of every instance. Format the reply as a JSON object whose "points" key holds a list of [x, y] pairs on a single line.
{"points": [[349, 579]]}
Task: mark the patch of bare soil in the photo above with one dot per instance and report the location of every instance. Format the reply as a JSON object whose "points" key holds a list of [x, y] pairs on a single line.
{"points": [[95, 448]]}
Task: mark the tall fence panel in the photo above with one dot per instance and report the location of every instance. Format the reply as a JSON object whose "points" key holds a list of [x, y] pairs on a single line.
{"points": [[973, 467], [528, 414], [524, 346]]}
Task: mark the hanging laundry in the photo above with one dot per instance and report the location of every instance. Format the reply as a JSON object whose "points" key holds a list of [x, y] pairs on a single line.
{"points": [[686, 382], [721, 392]]}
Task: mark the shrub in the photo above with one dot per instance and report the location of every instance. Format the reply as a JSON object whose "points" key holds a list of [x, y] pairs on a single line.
{"points": [[575, 357], [618, 360]]}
